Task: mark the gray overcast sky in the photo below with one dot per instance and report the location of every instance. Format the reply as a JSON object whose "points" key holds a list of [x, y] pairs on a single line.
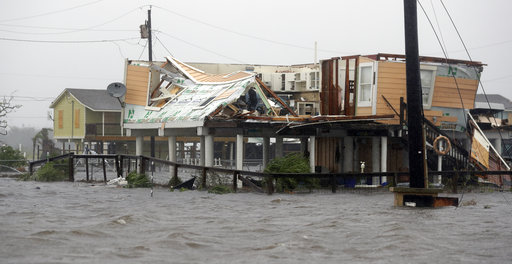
{"points": [[226, 31]]}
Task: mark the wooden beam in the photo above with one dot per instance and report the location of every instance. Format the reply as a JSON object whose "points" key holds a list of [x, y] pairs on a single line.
{"points": [[276, 97]]}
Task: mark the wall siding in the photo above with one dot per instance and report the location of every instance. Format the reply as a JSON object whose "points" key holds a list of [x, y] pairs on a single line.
{"points": [[68, 127], [137, 78], [392, 84]]}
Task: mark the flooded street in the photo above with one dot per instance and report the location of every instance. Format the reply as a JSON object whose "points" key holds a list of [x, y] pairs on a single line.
{"points": [[79, 223]]}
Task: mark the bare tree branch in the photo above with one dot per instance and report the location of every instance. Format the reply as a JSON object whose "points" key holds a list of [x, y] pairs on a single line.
{"points": [[6, 107]]}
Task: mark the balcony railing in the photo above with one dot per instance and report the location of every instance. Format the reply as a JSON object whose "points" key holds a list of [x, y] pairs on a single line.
{"points": [[100, 129]]}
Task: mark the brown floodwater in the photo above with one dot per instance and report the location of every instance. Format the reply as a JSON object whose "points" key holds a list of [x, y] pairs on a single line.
{"points": [[79, 223]]}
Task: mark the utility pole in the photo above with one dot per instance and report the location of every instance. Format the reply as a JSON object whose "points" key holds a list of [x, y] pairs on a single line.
{"points": [[150, 55], [414, 97]]}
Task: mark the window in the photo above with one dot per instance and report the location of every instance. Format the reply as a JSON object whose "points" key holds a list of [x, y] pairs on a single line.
{"points": [[428, 76], [364, 97], [314, 80]]}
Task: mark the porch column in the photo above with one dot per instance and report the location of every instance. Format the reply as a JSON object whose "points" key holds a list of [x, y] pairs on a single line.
{"points": [[138, 150], [497, 145], [239, 151], [202, 152], [231, 153], [384, 157], [312, 151], [348, 154], [172, 152], [209, 153], [266, 149], [279, 147], [303, 145], [138, 145], [375, 159]]}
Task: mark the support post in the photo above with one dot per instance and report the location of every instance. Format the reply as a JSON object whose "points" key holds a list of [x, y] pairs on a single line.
{"points": [[239, 151], [104, 170], [348, 154], [334, 184], [171, 141], [86, 169], [209, 152], [270, 185], [384, 157], [202, 151], [279, 147], [71, 168], [118, 167], [203, 182], [139, 140], [312, 151], [266, 149], [376, 159], [235, 180]]}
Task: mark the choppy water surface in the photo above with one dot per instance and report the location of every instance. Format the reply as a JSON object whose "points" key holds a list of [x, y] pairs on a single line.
{"points": [[80, 223]]}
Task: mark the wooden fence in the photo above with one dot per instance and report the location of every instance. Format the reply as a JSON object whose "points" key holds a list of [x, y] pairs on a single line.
{"points": [[145, 162]]}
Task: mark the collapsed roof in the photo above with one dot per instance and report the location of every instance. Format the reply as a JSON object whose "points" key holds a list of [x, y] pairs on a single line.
{"points": [[179, 95]]}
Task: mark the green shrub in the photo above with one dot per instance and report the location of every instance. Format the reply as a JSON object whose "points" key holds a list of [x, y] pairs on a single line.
{"points": [[220, 189], [48, 172], [291, 163], [136, 180], [11, 157], [174, 181]]}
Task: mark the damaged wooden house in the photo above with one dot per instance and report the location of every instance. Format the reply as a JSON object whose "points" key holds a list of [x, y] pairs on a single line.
{"points": [[357, 125]]}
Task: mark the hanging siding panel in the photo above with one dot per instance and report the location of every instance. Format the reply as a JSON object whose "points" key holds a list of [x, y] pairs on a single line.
{"points": [[137, 79]]}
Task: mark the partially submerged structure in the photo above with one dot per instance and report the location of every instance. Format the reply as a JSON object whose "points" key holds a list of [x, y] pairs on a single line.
{"points": [[348, 113], [359, 124]]}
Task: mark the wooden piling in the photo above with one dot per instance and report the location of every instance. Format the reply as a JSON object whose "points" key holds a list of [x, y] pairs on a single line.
{"points": [[203, 182], [71, 168], [235, 179], [334, 184], [118, 169], [104, 170], [270, 185], [86, 169]]}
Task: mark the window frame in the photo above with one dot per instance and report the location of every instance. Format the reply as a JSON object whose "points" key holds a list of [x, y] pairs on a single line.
{"points": [[432, 69], [372, 84]]}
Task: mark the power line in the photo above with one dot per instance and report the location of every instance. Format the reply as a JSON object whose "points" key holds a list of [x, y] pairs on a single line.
{"points": [[52, 76], [199, 47], [476, 70], [52, 12], [78, 29], [163, 45], [66, 41], [247, 35]]}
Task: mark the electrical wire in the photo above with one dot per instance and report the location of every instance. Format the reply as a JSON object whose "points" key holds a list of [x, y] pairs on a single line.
{"points": [[65, 41], [199, 47], [248, 35], [454, 78], [52, 12], [161, 43], [142, 52], [439, 27], [78, 29], [476, 70]]}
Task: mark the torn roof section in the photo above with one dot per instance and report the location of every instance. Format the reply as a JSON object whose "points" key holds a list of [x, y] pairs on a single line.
{"points": [[179, 95]]}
